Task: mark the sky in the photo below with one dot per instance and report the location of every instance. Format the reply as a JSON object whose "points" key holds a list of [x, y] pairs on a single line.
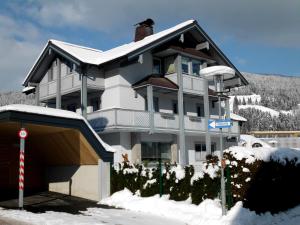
{"points": [[259, 36]]}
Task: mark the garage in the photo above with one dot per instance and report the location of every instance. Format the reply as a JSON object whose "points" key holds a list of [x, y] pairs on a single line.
{"points": [[62, 154]]}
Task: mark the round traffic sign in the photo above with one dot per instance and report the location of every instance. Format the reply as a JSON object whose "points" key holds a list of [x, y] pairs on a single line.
{"points": [[23, 133]]}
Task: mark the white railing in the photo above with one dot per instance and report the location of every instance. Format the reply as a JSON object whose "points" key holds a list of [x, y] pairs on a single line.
{"points": [[68, 83], [137, 119], [191, 84]]}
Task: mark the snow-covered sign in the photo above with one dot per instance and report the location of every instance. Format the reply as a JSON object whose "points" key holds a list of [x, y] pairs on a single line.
{"points": [[212, 124]]}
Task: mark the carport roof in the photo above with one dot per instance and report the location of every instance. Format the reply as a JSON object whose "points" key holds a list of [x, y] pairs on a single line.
{"points": [[59, 118]]}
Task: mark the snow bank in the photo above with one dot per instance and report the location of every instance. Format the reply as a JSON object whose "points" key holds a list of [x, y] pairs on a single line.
{"points": [[207, 213]]}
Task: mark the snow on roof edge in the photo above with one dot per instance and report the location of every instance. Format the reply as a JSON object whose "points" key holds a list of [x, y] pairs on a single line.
{"points": [[56, 113]]}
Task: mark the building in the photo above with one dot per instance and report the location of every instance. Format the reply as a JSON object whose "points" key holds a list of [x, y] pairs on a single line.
{"points": [[146, 98]]}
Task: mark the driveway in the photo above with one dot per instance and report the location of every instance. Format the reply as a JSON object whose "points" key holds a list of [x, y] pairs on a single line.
{"points": [[52, 208]]}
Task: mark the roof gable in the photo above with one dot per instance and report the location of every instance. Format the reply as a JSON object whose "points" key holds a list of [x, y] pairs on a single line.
{"points": [[96, 57]]}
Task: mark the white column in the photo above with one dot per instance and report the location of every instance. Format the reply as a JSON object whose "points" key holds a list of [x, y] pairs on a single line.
{"points": [[207, 115], [150, 107], [58, 85], [104, 179], [84, 95], [183, 158]]}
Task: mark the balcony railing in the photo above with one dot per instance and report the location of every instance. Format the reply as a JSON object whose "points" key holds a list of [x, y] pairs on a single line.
{"points": [[191, 84], [135, 120]]}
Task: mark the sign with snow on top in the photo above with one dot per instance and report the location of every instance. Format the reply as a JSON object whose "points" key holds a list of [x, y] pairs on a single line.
{"points": [[226, 123]]}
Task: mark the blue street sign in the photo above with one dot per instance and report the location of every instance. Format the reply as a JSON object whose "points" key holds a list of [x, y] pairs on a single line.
{"points": [[226, 123]]}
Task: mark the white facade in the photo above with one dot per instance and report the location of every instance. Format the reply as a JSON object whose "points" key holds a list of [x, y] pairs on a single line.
{"points": [[118, 110]]}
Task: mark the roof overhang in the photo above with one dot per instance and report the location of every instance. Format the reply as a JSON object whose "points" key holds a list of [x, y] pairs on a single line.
{"points": [[58, 122], [41, 65]]}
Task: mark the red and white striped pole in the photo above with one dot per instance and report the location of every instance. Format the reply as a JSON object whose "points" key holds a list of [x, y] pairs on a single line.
{"points": [[23, 135]]}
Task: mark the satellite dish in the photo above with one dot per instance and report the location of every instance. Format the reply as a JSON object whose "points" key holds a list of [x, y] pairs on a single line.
{"points": [[212, 71]]}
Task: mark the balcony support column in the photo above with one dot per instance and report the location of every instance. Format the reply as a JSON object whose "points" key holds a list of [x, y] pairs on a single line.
{"points": [[58, 85], [150, 107], [206, 115], [183, 156], [83, 93]]}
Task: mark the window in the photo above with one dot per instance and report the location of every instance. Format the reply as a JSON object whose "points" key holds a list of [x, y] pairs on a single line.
{"points": [[191, 66], [95, 102], [154, 151], [200, 110], [185, 65], [200, 151], [69, 67], [213, 104], [156, 66], [196, 66], [50, 74], [175, 107], [155, 104]]}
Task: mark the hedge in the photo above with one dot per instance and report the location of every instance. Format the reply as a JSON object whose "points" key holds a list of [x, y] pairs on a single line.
{"points": [[261, 186]]}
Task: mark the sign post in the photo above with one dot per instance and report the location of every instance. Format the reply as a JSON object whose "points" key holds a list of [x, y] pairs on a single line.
{"points": [[22, 135], [220, 124]]}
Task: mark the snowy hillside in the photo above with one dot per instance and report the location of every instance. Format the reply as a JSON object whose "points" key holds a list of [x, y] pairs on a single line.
{"points": [[269, 102]]}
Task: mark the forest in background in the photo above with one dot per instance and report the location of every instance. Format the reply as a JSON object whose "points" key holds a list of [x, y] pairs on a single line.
{"points": [[280, 93]]}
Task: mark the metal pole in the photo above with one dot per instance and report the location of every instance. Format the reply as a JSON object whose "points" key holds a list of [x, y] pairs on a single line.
{"points": [[160, 178], [21, 173], [223, 197]]}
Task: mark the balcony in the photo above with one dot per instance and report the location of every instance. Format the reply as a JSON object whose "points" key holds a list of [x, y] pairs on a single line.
{"points": [[134, 120], [191, 84], [69, 83]]}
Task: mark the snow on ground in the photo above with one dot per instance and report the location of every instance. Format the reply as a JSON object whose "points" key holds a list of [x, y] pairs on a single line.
{"points": [[207, 213], [93, 216]]}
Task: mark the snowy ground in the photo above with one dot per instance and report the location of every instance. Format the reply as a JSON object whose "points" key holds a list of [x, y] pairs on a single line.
{"points": [[93, 216], [207, 213]]}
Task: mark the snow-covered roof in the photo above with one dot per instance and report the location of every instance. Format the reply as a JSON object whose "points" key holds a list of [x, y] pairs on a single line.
{"points": [[55, 113], [84, 54], [133, 46], [236, 117]]}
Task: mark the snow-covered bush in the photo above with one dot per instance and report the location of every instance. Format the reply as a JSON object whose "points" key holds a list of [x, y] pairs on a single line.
{"points": [[264, 179], [179, 183]]}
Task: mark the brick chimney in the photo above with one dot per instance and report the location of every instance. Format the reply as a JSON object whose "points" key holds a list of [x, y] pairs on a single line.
{"points": [[143, 29]]}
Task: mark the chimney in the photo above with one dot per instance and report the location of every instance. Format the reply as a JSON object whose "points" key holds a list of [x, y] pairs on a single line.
{"points": [[143, 29]]}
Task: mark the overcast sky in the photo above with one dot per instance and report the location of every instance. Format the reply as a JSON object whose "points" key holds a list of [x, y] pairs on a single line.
{"points": [[260, 36]]}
